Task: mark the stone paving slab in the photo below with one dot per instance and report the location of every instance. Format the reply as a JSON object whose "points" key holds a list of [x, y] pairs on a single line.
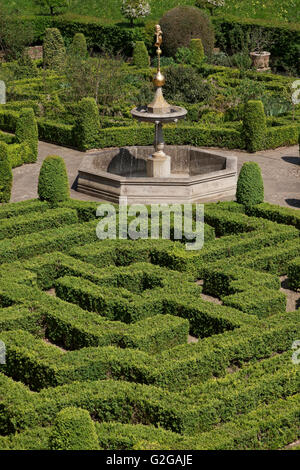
{"points": [[280, 169]]}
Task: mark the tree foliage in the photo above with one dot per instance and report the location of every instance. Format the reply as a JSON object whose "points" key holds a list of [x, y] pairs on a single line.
{"points": [[54, 7], [133, 9], [14, 34]]}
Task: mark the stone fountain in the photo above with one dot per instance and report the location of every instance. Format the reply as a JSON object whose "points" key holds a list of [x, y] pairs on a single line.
{"points": [[169, 174], [159, 112]]}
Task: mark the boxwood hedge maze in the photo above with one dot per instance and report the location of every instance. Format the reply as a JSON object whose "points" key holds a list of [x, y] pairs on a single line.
{"points": [[164, 348]]}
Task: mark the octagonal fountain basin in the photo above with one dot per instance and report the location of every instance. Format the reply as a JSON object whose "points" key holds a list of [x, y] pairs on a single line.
{"points": [[197, 175]]}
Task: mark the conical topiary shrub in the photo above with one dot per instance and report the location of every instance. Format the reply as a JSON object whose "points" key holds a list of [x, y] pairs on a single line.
{"points": [[6, 176], [54, 50], [87, 126], [197, 52], [53, 183], [73, 430], [250, 185], [27, 131], [254, 125], [140, 55], [78, 47]]}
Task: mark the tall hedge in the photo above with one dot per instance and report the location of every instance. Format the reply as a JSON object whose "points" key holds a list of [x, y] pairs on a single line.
{"points": [[87, 125], [140, 55], [197, 52], [73, 430], [54, 49], [254, 125], [6, 176], [53, 183], [250, 185], [183, 23], [27, 131]]}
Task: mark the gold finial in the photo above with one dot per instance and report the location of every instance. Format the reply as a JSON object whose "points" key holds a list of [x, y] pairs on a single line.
{"points": [[159, 79], [159, 104], [158, 34]]}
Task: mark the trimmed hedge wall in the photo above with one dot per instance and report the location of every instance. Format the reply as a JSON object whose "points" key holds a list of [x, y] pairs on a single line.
{"points": [[6, 176], [269, 427], [73, 429], [242, 385], [29, 223], [294, 274]]}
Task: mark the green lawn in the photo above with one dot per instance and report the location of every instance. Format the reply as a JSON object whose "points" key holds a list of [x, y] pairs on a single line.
{"points": [[267, 9]]}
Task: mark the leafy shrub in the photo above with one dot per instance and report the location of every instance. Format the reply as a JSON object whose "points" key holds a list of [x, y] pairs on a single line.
{"points": [[27, 131], [183, 23], [192, 55], [250, 186], [6, 176], [53, 183], [25, 67], [88, 124], [183, 83], [74, 430], [54, 7], [183, 55], [19, 154], [140, 55], [54, 49], [254, 125]]}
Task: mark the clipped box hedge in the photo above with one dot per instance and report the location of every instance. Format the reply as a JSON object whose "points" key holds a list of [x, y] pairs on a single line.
{"points": [[294, 274]]}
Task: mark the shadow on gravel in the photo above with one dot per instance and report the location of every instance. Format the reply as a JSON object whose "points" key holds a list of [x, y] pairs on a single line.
{"points": [[293, 202], [294, 160]]}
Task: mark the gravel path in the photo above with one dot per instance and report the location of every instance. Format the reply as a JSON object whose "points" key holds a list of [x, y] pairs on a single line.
{"points": [[280, 169]]}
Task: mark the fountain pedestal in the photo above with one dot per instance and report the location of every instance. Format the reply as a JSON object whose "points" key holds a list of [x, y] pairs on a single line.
{"points": [[159, 166]]}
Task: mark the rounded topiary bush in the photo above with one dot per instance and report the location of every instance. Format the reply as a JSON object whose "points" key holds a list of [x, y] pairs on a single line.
{"points": [[183, 23], [79, 46], [196, 52], [140, 55], [87, 124], [54, 49], [254, 125], [6, 176], [250, 185], [73, 430], [53, 183], [27, 131]]}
